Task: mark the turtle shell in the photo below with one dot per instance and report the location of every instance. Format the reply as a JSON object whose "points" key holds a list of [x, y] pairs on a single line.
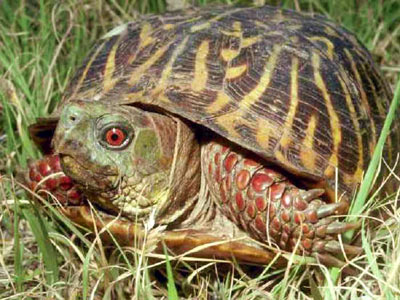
{"points": [[299, 91]]}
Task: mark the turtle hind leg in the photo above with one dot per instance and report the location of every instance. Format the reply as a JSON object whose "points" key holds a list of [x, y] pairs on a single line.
{"points": [[270, 208]]}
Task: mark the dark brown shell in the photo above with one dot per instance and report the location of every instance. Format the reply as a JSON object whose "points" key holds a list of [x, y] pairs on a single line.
{"points": [[299, 91]]}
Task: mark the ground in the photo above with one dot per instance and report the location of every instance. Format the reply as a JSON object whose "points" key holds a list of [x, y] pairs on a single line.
{"points": [[44, 256]]}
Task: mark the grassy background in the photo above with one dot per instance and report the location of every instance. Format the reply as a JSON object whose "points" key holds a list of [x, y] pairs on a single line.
{"points": [[41, 44]]}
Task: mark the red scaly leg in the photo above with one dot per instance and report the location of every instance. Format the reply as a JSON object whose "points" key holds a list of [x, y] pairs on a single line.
{"points": [[41, 177], [271, 208]]}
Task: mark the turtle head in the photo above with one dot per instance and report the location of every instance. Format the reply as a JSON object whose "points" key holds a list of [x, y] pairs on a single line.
{"points": [[120, 156]]}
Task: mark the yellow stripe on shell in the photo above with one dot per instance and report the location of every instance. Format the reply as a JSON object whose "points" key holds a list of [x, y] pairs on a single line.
{"points": [[307, 154], [208, 23], [237, 26], [282, 159], [200, 70], [109, 82], [234, 72], [330, 31], [135, 75], [231, 33], [145, 38], [85, 71], [229, 54], [201, 26], [236, 30], [168, 26], [247, 42], [230, 120], [265, 131], [262, 25], [263, 82], [158, 92], [351, 180], [220, 102], [333, 117], [330, 48], [353, 116], [294, 27], [364, 99], [168, 68], [294, 101]]}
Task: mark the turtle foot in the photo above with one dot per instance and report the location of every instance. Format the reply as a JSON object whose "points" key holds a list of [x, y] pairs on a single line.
{"points": [[316, 231], [45, 176]]}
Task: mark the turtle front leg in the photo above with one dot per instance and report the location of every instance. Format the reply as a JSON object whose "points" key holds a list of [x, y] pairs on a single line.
{"points": [[45, 175], [267, 205]]}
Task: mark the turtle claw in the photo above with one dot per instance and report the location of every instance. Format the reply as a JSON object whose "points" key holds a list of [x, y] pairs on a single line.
{"points": [[310, 195], [336, 247], [340, 227], [329, 260], [327, 257], [332, 209], [332, 261]]}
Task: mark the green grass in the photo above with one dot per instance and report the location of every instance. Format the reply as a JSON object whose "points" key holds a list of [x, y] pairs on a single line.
{"points": [[41, 44]]}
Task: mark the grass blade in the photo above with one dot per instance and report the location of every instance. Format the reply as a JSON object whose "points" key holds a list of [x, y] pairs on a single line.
{"points": [[376, 158], [18, 250], [172, 292], [49, 256]]}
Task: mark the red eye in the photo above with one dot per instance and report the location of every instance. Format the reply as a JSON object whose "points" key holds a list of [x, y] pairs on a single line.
{"points": [[115, 137]]}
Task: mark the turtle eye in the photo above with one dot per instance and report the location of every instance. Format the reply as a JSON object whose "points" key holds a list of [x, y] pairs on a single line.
{"points": [[115, 137]]}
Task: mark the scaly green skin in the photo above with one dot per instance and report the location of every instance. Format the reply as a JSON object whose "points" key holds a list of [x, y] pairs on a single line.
{"points": [[141, 168]]}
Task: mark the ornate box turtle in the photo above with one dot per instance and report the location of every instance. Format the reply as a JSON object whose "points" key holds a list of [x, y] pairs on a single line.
{"points": [[249, 127]]}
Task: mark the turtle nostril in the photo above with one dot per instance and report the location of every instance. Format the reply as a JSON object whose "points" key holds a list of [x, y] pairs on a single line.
{"points": [[73, 119], [71, 116]]}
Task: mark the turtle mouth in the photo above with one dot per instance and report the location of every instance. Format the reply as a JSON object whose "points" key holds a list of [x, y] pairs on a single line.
{"points": [[73, 184], [88, 176], [46, 176]]}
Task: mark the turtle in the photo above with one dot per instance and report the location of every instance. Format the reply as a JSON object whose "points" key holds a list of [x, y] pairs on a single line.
{"points": [[228, 132]]}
